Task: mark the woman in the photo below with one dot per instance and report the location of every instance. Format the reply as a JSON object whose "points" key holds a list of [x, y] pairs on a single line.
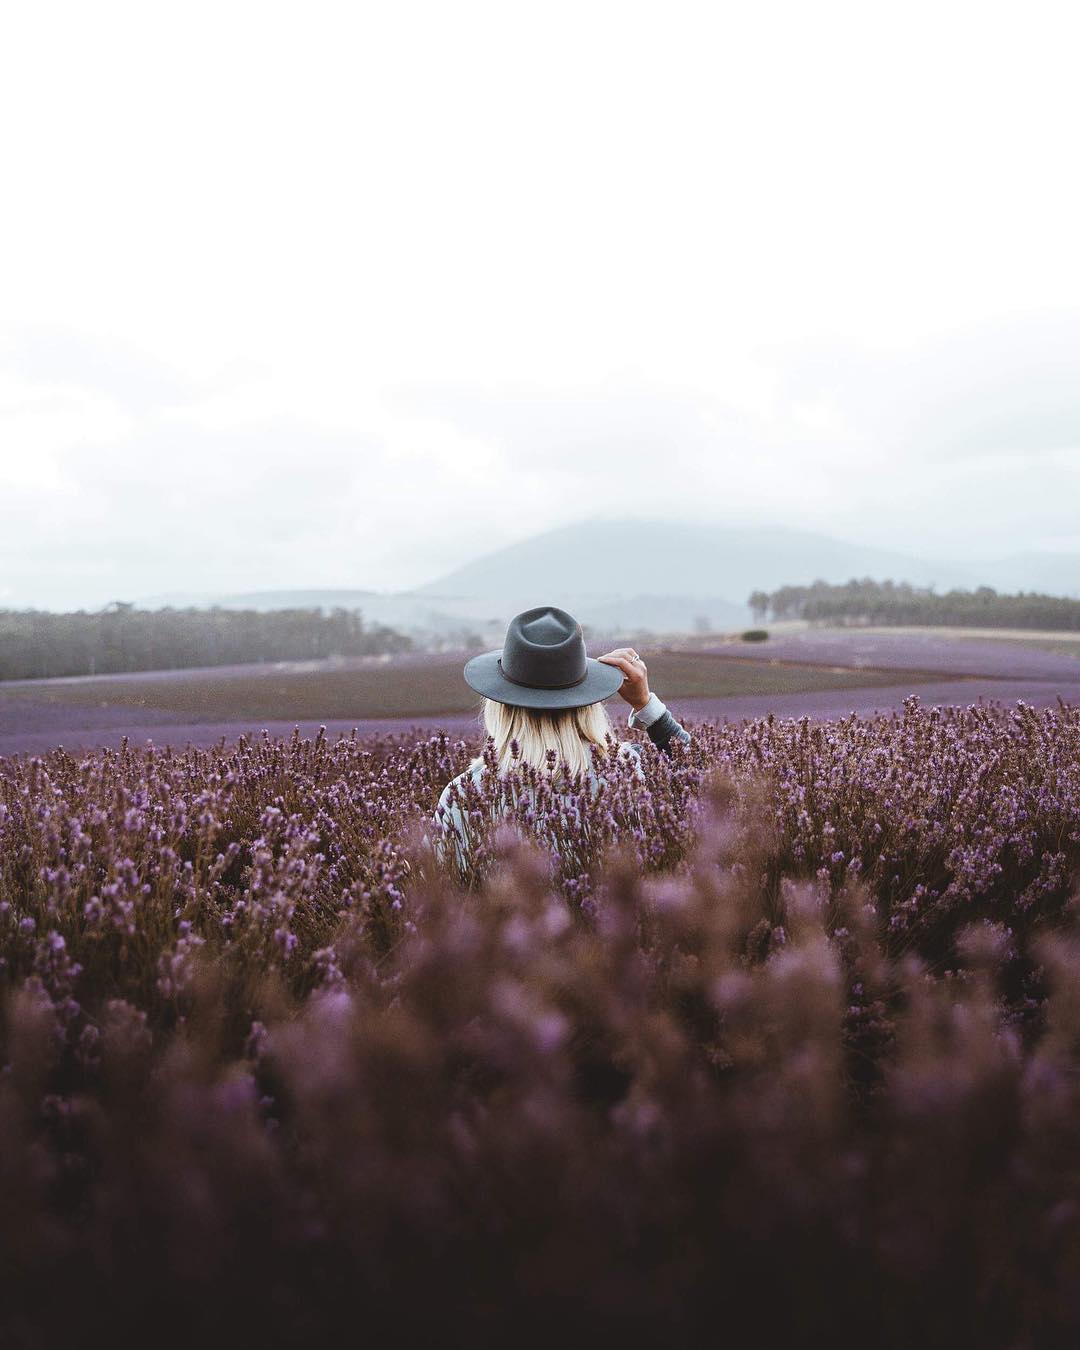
{"points": [[544, 694]]}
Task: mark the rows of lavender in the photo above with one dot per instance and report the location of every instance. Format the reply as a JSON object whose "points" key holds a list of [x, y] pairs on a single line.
{"points": [[790, 1033]]}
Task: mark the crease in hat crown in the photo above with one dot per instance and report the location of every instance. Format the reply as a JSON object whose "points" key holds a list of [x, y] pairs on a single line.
{"points": [[545, 649]]}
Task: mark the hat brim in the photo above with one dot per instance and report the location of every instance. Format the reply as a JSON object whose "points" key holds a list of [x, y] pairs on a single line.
{"points": [[483, 674]]}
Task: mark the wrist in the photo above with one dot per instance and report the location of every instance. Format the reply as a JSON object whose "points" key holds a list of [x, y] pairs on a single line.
{"points": [[649, 712]]}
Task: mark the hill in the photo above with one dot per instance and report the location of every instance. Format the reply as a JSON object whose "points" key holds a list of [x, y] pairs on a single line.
{"points": [[634, 574], [602, 565]]}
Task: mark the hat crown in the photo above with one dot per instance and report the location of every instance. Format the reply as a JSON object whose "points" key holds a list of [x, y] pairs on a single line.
{"points": [[544, 648]]}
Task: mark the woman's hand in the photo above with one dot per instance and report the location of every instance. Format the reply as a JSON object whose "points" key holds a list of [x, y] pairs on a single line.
{"points": [[635, 688]]}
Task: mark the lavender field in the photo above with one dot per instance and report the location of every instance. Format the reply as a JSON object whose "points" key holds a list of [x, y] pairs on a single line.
{"points": [[786, 1037], [970, 653], [344, 344]]}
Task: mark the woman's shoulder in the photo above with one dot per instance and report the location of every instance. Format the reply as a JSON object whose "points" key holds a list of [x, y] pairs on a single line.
{"points": [[630, 750], [472, 770]]}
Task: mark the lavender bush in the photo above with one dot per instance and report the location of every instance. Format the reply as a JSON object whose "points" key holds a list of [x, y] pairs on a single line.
{"points": [[780, 1045]]}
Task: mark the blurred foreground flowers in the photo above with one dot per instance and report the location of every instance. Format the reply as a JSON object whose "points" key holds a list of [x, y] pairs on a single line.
{"points": [[782, 1045]]}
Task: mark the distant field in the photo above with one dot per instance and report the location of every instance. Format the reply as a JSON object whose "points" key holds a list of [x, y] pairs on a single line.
{"points": [[1044, 640], [817, 672], [952, 651], [408, 687], [788, 627]]}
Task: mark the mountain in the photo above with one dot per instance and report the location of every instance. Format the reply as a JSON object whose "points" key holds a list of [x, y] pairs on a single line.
{"points": [[603, 562], [627, 575]]}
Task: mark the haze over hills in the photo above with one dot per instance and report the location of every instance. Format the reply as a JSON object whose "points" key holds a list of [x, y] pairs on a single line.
{"points": [[611, 558], [627, 574], [1048, 573], [663, 576]]}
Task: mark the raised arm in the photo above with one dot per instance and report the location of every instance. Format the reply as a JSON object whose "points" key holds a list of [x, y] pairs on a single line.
{"points": [[647, 710]]}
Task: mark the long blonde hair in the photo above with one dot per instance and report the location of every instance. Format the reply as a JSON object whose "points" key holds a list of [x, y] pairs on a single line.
{"points": [[567, 731]]}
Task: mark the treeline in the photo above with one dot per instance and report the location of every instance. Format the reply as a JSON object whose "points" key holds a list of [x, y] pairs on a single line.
{"points": [[35, 644], [897, 602]]}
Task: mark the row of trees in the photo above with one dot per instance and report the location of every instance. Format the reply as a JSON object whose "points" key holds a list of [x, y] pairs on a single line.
{"points": [[35, 643], [897, 602]]}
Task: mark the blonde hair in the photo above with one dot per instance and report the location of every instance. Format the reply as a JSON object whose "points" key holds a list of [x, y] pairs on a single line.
{"points": [[568, 731]]}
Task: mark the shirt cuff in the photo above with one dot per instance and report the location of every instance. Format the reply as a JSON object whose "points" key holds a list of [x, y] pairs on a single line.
{"points": [[650, 713]]}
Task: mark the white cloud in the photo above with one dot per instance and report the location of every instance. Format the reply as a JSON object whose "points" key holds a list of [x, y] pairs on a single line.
{"points": [[344, 294]]}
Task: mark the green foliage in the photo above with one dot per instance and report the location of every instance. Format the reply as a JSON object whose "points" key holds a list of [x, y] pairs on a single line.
{"points": [[36, 644], [899, 603]]}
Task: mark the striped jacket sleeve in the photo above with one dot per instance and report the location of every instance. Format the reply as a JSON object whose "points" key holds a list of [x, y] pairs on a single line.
{"points": [[660, 726]]}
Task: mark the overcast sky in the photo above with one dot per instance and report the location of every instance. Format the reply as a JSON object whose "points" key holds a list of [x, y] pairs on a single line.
{"points": [[343, 294]]}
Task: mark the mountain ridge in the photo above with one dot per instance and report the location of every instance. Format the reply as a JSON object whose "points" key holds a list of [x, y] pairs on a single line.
{"points": [[604, 558], [634, 572]]}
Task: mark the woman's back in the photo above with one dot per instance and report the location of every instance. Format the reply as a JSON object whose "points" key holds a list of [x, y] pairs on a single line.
{"points": [[450, 818], [543, 709]]}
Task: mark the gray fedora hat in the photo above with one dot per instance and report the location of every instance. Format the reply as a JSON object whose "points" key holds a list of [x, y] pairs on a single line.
{"points": [[542, 664]]}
